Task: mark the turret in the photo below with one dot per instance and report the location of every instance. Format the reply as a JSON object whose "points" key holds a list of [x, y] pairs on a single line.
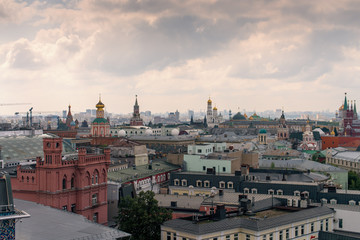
{"points": [[52, 151]]}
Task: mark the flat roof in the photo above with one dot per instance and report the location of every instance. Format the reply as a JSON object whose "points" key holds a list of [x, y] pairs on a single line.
{"points": [[255, 224], [46, 222], [129, 174]]}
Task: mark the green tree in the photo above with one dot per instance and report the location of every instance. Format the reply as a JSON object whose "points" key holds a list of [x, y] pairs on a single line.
{"points": [[272, 165], [353, 180], [141, 216]]}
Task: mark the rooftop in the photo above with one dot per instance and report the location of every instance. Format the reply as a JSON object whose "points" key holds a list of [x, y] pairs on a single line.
{"points": [[22, 147], [128, 174], [257, 224], [46, 221]]}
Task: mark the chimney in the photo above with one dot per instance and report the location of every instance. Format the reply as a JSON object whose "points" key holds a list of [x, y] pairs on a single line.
{"points": [[221, 192], [220, 212]]}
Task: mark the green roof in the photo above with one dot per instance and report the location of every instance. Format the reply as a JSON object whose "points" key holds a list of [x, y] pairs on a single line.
{"points": [[262, 131], [129, 174], [100, 120]]}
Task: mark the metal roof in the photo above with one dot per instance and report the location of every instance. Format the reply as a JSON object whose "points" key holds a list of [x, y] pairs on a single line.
{"points": [[243, 222], [50, 223], [21, 148]]}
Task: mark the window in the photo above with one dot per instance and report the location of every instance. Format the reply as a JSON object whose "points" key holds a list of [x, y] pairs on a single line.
{"points": [[221, 184], [302, 230], [95, 217], [64, 208], [94, 199], [352, 203], [92, 180], [227, 237], [264, 237], [199, 183], [281, 235], [287, 234], [184, 182], [323, 201], [199, 150], [333, 201], [224, 169], [96, 179], [271, 236], [247, 237], [176, 182], [254, 190], [279, 192], [73, 207], [64, 183], [340, 223], [236, 236], [230, 185], [296, 231], [327, 225], [206, 184], [321, 225], [270, 191], [246, 190], [312, 227], [296, 193], [72, 182], [204, 168]]}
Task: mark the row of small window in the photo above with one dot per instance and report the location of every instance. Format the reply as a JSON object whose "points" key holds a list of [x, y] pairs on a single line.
{"points": [[223, 169], [343, 162], [172, 236], [283, 235], [278, 192], [205, 184], [334, 201]]}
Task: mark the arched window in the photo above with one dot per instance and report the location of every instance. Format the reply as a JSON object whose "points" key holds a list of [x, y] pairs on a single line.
{"points": [[72, 182], [88, 178], [64, 183], [27, 179]]}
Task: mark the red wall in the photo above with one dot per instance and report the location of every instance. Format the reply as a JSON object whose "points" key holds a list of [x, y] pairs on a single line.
{"points": [[44, 184]]}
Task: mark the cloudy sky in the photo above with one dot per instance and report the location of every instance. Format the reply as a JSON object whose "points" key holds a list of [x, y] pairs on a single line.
{"points": [[253, 55]]}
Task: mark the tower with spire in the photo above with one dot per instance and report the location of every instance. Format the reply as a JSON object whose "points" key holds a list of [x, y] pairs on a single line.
{"points": [[349, 124], [282, 130], [100, 127], [136, 120]]}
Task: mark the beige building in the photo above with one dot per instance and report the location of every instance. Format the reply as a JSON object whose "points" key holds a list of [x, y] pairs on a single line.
{"points": [[271, 224], [342, 158]]}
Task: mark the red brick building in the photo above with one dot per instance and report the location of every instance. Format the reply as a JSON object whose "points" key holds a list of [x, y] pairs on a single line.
{"points": [[78, 184]]}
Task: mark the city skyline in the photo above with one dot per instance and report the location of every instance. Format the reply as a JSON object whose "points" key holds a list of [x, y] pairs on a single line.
{"points": [[300, 56]]}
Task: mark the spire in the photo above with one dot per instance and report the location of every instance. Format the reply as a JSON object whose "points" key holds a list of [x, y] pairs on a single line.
{"points": [[136, 102], [355, 107], [345, 103]]}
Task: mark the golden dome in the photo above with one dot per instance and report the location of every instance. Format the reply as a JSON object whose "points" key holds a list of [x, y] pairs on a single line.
{"points": [[342, 107], [100, 105], [245, 115], [215, 108], [209, 101]]}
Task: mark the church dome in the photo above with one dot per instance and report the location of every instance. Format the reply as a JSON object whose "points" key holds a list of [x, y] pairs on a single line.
{"points": [[239, 116], [100, 104], [341, 107], [209, 101], [215, 108]]}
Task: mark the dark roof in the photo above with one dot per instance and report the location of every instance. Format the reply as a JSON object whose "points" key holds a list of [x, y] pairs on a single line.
{"points": [[252, 224]]}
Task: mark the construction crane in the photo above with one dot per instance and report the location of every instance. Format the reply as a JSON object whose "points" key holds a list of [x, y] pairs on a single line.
{"points": [[12, 104]]}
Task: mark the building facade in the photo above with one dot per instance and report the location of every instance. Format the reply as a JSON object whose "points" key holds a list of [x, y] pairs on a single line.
{"points": [[77, 184]]}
